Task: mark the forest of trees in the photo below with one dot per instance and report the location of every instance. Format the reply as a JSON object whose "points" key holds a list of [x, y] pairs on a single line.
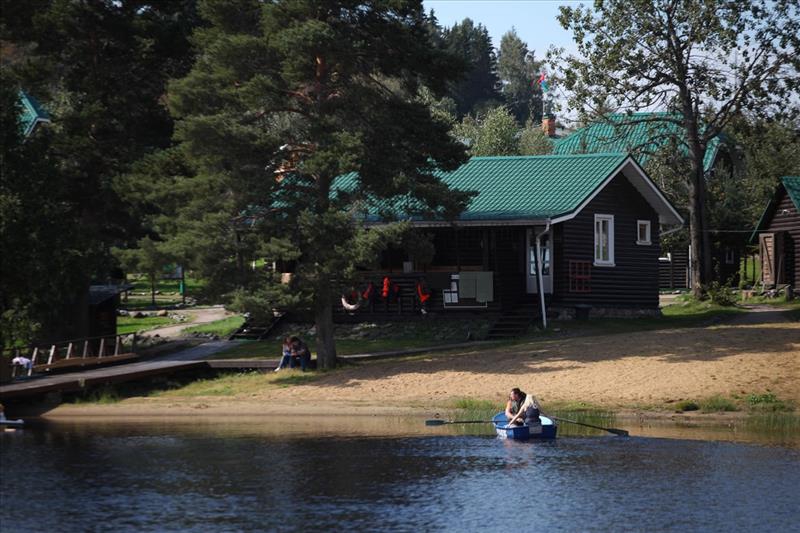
{"points": [[208, 133]]}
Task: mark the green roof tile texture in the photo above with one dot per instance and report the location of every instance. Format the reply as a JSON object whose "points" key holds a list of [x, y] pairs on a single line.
{"points": [[792, 185], [525, 187], [640, 138]]}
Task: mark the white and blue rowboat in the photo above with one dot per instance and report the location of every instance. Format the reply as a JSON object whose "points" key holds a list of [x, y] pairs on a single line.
{"points": [[504, 431]]}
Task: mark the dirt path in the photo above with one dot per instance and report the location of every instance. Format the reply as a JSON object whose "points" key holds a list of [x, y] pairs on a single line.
{"points": [[197, 316]]}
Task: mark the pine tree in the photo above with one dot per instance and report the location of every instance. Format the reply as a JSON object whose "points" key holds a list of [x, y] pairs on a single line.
{"points": [[518, 71], [287, 96], [478, 89]]}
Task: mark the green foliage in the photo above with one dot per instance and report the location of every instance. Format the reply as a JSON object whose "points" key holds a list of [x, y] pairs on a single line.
{"points": [[494, 133], [283, 98], [768, 402], [721, 294], [476, 409], [627, 58], [533, 141], [518, 70], [716, 404], [687, 405], [149, 258], [478, 88]]}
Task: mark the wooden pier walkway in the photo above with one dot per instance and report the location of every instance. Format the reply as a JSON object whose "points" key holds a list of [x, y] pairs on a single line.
{"points": [[76, 381]]}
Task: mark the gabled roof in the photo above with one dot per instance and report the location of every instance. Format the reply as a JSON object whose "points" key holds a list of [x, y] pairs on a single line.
{"points": [[638, 133], [32, 113], [790, 184], [536, 189]]}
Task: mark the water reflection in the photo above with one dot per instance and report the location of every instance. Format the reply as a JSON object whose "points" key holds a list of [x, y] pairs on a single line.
{"points": [[188, 474]]}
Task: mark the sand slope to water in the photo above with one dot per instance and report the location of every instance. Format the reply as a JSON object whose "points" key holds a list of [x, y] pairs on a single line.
{"points": [[650, 368]]}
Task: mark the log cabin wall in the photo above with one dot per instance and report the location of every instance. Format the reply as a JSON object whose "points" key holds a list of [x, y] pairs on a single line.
{"points": [[786, 219], [633, 280]]}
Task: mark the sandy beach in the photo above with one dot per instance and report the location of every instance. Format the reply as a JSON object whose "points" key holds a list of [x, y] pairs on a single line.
{"points": [[644, 370]]}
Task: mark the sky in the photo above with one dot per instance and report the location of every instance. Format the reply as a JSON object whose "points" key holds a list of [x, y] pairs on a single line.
{"points": [[534, 20]]}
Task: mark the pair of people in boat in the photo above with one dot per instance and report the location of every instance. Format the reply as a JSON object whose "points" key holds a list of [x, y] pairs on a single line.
{"points": [[523, 408], [294, 352]]}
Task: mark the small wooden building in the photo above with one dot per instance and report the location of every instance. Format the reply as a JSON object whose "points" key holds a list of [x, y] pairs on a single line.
{"points": [[778, 236], [578, 233]]}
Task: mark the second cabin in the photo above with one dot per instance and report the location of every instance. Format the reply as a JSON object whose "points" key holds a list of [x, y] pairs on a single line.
{"points": [[578, 234]]}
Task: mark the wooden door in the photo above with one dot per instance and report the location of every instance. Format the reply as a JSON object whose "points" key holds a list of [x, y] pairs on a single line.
{"points": [[772, 261]]}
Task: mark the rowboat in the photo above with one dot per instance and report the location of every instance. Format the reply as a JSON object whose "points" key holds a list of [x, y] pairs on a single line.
{"points": [[11, 423], [524, 432]]}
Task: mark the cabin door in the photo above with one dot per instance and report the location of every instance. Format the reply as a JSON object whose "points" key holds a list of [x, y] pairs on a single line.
{"points": [[547, 263], [771, 252]]}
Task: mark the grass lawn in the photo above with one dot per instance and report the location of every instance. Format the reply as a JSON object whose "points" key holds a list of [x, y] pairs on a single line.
{"points": [[222, 328], [140, 298], [126, 324]]}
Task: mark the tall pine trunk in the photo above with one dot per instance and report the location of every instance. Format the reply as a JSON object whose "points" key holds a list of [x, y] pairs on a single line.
{"points": [[323, 318]]}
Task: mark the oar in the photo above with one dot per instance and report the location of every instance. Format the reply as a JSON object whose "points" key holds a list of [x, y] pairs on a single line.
{"points": [[438, 422], [615, 431]]}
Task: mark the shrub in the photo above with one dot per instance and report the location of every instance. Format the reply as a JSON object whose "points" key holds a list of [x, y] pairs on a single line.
{"points": [[767, 402], [687, 405], [721, 294], [717, 404]]}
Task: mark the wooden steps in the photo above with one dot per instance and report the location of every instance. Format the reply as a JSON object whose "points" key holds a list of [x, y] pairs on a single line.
{"points": [[515, 321]]}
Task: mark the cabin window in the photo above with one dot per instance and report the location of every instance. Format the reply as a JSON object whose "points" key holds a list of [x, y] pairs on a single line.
{"points": [[604, 240], [580, 276], [643, 232], [729, 256]]}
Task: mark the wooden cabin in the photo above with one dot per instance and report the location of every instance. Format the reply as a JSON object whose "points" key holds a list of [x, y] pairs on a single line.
{"points": [[778, 235], [577, 233], [645, 134]]}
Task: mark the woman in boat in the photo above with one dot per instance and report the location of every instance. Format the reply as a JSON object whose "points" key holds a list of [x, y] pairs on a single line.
{"points": [[523, 408]]}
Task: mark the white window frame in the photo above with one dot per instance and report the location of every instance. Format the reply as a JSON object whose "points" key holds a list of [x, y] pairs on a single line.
{"points": [[648, 241], [599, 261]]}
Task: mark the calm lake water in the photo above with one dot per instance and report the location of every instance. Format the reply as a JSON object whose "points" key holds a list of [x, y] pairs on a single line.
{"points": [[276, 475]]}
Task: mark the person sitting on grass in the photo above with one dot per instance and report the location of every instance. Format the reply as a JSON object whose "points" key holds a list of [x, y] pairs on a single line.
{"points": [[523, 408], [300, 353], [286, 354]]}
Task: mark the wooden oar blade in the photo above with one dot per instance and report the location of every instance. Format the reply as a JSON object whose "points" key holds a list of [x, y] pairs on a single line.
{"points": [[435, 422], [620, 432]]}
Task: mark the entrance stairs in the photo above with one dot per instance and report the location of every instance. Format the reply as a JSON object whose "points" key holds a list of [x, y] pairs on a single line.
{"points": [[253, 332], [515, 321]]}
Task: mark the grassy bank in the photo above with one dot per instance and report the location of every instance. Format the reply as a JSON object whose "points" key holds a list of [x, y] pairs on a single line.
{"points": [[127, 324], [221, 328]]}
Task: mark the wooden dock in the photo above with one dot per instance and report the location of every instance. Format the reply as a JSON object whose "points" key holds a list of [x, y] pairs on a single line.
{"points": [[193, 358]]}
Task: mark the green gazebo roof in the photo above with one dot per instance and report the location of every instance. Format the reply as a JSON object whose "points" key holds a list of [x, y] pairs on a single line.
{"points": [[32, 113], [639, 133]]}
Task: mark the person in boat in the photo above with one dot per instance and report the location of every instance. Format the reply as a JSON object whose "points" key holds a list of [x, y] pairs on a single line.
{"points": [[522, 408], [286, 354], [300, 353]]}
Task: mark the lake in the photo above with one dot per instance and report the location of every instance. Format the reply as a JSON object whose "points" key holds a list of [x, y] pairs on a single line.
{"points": [[276, 474]]}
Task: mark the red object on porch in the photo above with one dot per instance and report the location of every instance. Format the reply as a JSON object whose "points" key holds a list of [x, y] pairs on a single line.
{"points": [[387, 284], [422, 292], [367, 294], [580, 276]]}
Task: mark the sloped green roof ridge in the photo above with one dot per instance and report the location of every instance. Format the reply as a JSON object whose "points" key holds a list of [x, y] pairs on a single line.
{"points": [[792, 184], [643, 137], [522, 187], [32, 113]]}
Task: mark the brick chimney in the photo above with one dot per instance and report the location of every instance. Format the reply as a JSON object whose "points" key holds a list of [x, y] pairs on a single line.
{"points": [[549, 125]]}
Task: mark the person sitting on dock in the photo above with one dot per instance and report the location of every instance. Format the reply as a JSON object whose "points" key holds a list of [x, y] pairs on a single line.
{"points": [[286, 354], [523, 408], [301, 353]]}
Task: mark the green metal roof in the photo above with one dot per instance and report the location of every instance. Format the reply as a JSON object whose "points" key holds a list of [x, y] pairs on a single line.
{"points": [[520, 187], [792, 186], [32, 113], [639, 133]]}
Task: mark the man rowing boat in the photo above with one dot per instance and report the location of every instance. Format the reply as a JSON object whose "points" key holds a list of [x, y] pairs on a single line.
{"points": [[523, 408]]}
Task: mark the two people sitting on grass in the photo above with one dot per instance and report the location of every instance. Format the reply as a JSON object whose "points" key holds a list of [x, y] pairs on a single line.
{"points": [[523, 408], [294, 352]]}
